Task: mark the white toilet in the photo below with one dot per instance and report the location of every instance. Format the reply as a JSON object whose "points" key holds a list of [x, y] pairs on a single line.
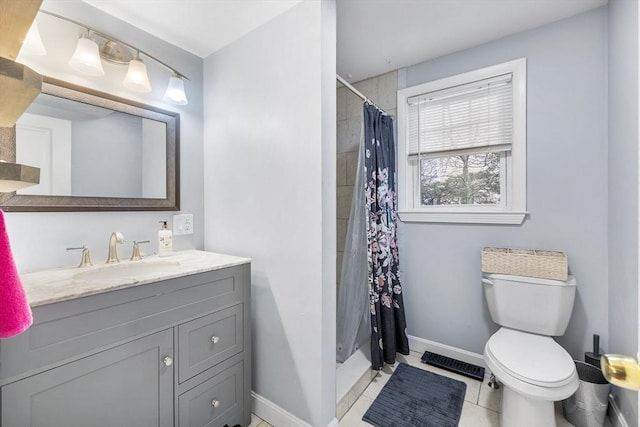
{"points": [[534, 370]]}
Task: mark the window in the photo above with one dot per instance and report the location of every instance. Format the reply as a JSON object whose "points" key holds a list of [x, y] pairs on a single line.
{"points": [[462, 147]]}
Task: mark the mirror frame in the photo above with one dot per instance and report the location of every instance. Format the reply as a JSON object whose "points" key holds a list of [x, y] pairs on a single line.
{"points": [[12, 202]]}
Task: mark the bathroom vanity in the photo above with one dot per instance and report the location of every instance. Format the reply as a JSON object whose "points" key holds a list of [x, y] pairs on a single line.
{"points": [[158, 342]]}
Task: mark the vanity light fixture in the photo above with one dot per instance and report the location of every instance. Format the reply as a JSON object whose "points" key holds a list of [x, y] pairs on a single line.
{"points": [[32, 44], [137, 78], [88, 55], [175, 90]]}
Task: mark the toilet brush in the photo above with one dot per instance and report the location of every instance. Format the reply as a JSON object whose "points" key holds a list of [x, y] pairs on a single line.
{"points": [[593, 358]]}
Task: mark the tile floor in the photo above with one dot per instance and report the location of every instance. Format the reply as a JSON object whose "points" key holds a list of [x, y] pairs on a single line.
{"points": [[480, 408], [258, 422]]}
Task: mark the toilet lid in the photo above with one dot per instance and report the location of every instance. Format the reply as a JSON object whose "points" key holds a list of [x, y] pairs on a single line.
{"points": [[532, 358]]}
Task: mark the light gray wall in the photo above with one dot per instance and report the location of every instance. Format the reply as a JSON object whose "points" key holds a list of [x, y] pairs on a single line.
{"points": [[566, 189], [270, 179], [623, 190], [39, 239], [326, 415]]}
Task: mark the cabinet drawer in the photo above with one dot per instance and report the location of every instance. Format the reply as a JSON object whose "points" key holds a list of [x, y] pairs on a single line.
{"points": [[215, 402], [208, 340]]}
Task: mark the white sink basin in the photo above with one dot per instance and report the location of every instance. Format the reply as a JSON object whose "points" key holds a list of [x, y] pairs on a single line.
{"points": [[128, 271]]}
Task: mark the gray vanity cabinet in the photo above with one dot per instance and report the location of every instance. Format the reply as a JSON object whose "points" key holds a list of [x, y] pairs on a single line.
{"points": [[127, 385], [169, 353]]}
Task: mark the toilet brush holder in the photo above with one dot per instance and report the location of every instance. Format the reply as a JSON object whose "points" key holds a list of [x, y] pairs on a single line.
{"points": [[587, 407], [593, 358]]}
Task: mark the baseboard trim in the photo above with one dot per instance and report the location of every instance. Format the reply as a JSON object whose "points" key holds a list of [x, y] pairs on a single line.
{"points": [[275, 415], [615, 414], [421, 345]]}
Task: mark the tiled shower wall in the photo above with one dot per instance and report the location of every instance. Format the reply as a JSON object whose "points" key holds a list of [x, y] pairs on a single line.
{"points": [[382, 91]]}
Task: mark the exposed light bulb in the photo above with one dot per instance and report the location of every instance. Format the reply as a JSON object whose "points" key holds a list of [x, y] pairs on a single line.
{"points": [[86, 58], [175, 91], [32, 44], [137, 78]]}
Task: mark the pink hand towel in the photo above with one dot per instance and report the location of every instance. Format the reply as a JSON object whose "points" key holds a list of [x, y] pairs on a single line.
{"points": [[15, 313]]}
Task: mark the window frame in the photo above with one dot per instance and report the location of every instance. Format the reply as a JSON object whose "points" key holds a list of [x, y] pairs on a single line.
{"points": [[513, 210]]}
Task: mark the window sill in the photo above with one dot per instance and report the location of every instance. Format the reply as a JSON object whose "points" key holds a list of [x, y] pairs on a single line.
{"points": [[486, 217]]}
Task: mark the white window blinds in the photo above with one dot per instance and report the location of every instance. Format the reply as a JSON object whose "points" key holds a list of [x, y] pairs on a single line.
{"points": [[474, 117]]}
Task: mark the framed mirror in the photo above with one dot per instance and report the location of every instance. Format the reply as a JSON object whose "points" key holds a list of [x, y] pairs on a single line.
{"points": [[96, 152]]}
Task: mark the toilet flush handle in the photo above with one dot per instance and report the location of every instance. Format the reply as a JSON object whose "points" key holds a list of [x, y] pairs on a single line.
{"points": [[487, 282]]}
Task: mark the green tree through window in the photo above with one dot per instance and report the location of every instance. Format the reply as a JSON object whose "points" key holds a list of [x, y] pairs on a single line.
{"points": [[468, 179]]}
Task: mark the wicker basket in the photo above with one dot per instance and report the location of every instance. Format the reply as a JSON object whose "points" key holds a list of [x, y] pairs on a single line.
{"points": [[525, 262]]}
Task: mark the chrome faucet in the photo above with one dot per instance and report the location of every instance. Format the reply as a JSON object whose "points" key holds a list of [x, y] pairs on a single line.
{"points": [[116, 237]]}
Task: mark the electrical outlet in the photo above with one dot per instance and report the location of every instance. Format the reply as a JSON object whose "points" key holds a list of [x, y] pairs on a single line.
{"points": [[183, 224]]}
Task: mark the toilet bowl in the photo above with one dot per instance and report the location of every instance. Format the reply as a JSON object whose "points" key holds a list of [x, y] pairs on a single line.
{"points": [[535, 370]]}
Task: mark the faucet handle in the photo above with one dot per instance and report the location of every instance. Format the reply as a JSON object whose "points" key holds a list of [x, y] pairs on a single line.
{"points": [[86, 257], [135, 254]]}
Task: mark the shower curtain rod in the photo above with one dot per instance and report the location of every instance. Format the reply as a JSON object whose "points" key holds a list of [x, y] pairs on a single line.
{"points": [[351, 88], [358, 93]]}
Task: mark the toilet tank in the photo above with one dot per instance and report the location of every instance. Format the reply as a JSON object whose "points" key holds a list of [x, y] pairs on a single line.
{"points": [[540, 306]]}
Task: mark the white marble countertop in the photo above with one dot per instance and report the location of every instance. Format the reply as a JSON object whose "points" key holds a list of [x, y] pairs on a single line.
{"points": [[49, 286]]}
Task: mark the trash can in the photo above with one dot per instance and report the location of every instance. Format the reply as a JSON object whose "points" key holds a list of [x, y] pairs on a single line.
{"points": [[588, 405]]}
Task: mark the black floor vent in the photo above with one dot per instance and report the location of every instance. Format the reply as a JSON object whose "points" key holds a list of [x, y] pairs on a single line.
{"points": [[453, 365]]}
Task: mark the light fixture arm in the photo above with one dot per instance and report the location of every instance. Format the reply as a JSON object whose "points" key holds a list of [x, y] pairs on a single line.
{"points": [[111, 38]]}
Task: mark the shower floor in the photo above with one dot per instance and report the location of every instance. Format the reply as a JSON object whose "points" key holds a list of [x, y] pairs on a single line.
{"points": [[352, 378]]}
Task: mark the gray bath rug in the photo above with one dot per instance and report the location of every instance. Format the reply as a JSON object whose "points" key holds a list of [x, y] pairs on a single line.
{"points": [[414, 397]]}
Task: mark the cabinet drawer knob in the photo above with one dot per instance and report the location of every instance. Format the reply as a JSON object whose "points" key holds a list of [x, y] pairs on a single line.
{"points": [[168, 361], [215, 339], [215, 403]]}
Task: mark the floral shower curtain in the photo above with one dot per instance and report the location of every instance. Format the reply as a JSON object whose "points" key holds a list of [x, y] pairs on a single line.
{"points": [[388, 324]]}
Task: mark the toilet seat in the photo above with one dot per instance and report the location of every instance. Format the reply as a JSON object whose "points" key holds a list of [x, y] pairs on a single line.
{"points": [[543, 373], [531, 358]]}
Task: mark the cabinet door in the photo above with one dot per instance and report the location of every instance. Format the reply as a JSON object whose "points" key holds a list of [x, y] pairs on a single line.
{"points": [[128, 385]]}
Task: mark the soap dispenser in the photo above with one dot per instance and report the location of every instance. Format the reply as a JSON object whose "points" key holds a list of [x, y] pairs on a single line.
{"points": [[165, 240]]}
